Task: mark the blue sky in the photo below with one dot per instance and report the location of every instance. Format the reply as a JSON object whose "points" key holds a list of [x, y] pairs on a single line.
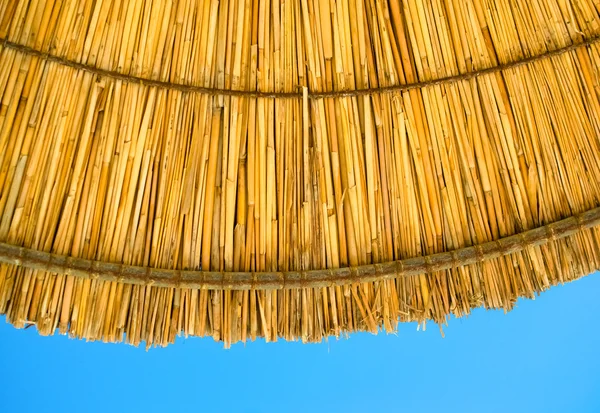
{"points": [[542, 357]]}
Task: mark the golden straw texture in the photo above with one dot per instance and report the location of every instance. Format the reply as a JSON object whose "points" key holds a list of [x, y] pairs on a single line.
{"points": [[115, 148]]}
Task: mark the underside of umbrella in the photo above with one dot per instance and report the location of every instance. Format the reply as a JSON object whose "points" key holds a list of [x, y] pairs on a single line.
{"points": [[292, 169]]}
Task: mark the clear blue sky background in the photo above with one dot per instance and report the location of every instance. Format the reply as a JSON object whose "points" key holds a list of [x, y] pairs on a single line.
{"points": [[542, 357]]}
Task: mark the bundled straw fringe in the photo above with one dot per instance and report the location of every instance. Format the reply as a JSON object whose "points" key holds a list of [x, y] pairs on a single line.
{"points": [[498, 135]]}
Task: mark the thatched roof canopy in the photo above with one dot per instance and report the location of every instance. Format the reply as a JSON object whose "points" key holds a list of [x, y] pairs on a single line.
{"points": [[293, 168]]}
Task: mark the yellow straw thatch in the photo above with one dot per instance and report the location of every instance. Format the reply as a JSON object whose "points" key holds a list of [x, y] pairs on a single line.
{"points": [[292, 168]]}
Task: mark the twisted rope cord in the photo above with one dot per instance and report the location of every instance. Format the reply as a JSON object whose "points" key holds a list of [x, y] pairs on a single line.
{"points": [[293, 95], [212, 280]]}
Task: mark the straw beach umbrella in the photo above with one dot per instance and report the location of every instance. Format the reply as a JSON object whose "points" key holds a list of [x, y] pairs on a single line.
{"points": [[292, 169]]}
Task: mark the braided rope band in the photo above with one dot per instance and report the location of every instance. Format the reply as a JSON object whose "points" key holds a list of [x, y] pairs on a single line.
{"points": [[211, 280], [293, 95]]}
